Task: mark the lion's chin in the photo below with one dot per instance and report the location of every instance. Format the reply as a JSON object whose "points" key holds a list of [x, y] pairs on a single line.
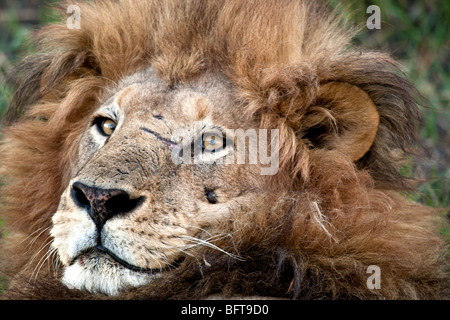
{"points": [[96, 272]]}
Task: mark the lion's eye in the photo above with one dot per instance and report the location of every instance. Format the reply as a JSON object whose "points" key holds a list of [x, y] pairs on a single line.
{"points": [[106, 126], [212, 142]]}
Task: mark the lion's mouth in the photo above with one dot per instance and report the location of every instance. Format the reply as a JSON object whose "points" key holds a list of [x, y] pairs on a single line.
{"points": [[99, 249]]}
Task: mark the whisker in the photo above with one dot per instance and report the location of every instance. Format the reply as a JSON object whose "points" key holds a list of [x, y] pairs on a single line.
{"points": [[38, 266], [194, 227], [36, 237], [34, 232], [56, 262], [206, 243], [39, 251]]}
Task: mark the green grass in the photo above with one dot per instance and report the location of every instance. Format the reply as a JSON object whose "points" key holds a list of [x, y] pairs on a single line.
{"points": [[12, 41]]}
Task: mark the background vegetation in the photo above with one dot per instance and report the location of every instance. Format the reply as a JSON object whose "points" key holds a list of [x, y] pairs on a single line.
{"points": [[415, 32]]}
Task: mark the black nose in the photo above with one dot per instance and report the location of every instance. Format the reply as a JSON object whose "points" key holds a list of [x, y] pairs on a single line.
{"points": [[103, 204]]}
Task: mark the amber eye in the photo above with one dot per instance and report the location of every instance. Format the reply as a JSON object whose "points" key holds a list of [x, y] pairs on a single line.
{"points": [[212, 142], [106, 126]]}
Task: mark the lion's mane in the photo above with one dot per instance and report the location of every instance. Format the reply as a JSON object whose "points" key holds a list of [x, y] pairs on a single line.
{"points": [[323, 219]]}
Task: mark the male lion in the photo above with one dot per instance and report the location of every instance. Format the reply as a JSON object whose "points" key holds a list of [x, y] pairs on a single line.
{"points": [[113, 157]]}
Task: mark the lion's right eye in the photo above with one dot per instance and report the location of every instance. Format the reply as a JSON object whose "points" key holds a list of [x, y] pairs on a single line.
{"points": [[105, 126], [212, 142]]}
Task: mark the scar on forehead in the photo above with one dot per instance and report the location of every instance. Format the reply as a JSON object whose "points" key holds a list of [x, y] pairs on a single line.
{"points": [[167, 142]]}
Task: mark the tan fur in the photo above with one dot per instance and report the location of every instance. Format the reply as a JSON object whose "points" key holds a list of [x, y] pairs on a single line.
{"points": [[310, 231], [355, 106]]}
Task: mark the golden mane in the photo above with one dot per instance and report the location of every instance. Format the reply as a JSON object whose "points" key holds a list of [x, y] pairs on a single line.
{"points": [[277, 54]]}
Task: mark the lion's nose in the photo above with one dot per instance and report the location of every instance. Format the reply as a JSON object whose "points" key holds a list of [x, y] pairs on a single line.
{"points": [[103, 204]]}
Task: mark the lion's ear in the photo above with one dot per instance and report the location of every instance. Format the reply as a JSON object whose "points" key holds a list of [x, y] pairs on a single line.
{"points": [[343, 118]]}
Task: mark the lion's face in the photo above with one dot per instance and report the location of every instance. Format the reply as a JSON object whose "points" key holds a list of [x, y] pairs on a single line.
{"points": [[131, 211]]}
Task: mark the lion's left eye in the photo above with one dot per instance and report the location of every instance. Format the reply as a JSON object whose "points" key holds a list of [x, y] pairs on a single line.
{"points": [[106, 126]]}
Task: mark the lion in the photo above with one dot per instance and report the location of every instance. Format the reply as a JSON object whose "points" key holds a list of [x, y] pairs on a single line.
{"points": [[120, 156]]}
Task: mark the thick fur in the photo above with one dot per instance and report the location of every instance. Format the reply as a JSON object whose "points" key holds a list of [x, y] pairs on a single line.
{"points": [[321, 221]]}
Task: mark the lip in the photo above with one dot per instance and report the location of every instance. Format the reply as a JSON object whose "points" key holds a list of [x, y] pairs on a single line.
{"points": [[125, 264]]}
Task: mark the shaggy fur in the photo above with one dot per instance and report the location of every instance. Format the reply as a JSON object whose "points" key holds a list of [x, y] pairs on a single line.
{"points": [[323, 218]]}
